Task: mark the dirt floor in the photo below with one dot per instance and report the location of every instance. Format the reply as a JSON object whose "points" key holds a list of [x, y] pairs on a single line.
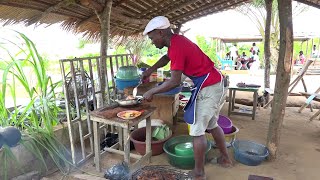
{"points": [[298, 156]]}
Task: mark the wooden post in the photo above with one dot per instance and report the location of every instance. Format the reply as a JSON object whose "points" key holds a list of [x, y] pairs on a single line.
{"points": [[104, 19], [282, 78], [267, 48]]}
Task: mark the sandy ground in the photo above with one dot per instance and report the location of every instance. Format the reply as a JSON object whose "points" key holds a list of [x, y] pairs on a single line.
{"points": [[299, 151], [298, 156]]}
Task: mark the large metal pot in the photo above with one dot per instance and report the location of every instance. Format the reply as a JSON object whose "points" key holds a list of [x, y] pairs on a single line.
{"points": [[130, 102]]}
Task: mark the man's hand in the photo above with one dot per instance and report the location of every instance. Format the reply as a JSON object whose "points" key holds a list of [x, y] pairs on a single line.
{"points": [[148, 95], [146, 74]]}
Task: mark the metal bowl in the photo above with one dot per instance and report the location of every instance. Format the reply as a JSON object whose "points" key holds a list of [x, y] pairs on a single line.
{"points": [[130, 102]]}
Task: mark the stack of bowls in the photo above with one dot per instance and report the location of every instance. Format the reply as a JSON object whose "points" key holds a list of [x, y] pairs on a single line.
{"points": [[179, 150], [127, 76]]}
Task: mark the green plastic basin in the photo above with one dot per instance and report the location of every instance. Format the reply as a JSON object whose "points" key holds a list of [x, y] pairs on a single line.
{"points": [[181, 159]]}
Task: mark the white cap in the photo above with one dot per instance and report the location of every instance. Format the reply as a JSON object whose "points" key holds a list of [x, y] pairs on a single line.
{"points": [[159, 22]]}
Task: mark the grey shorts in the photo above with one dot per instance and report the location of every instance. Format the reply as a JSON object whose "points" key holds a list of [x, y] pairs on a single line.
{"points": [[209, 103]]}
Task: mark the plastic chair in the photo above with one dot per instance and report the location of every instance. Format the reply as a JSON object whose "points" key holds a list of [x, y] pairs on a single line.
{"points": [[224, 63]]}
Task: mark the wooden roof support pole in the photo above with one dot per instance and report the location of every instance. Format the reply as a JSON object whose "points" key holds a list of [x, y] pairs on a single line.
{"points": [[104, 19], [177, 30], [267, 48], [282, 78]]}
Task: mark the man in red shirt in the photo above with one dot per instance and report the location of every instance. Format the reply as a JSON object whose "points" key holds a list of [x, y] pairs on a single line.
{"points": [[202, 110]]}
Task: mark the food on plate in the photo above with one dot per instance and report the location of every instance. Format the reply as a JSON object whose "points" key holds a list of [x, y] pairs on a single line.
{"points": [[129, 114]]}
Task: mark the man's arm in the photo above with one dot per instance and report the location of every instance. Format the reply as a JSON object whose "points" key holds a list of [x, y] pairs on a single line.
{"points": [[173, 82], [164, 60]]}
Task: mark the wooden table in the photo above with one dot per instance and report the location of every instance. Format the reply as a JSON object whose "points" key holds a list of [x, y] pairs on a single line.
{"points": [[232, 98], [123, 126], [167, 105]]}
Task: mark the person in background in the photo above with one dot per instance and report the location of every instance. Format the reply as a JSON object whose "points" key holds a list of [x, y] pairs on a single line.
{"points": [[254, 48], [202, 110], [301, 57], [227, 56], [255, 64], [234, 53], [244, 56], [314, 52]]}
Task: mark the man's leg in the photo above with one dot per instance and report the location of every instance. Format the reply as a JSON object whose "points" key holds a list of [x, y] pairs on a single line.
{"points": [[199, 148], [218, 135]]}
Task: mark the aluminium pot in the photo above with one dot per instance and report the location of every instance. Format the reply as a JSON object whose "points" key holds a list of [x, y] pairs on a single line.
{"points": [[129, 102]]}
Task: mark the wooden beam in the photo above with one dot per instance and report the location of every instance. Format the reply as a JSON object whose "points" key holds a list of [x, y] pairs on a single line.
{"points": [[211, 8], [119, 3], [126, 19], [203, 8], [93, 4], [313, 4], [165, 10], [61, 4], [116, 14], [155, 9]]}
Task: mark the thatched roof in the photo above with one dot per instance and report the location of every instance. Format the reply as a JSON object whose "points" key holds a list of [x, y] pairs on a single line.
{"points": [[127, 16]]}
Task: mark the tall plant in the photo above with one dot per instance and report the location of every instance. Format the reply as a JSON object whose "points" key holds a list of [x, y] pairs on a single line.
{"points": [[36, 119]]}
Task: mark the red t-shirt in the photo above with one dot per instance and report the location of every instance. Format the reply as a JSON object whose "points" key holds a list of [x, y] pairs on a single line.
{"points": [[188, 58]]}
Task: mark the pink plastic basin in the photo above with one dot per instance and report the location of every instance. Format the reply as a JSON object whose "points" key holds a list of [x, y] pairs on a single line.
{"points": [[225, 123]]}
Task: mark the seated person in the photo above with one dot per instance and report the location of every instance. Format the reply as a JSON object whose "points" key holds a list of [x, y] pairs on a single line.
{"points": [[301, 58], [244, 56], [244, 60], [254, 60], [227, 57], [314, 52]]}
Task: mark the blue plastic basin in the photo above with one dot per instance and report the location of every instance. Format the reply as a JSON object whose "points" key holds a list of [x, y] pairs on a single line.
{"points": [[124, 83], [249, 152]]}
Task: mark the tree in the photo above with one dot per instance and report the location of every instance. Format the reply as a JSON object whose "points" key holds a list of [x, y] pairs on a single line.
{"points": [[282, 78], [135, 45], [207, 47]]}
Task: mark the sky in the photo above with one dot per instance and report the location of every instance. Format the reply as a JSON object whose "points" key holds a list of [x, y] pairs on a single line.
{"points": [[57, 44], [231, 23]]}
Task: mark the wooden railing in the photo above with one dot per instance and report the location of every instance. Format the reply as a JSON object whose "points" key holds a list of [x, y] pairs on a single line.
{"points": [[81, 83]]}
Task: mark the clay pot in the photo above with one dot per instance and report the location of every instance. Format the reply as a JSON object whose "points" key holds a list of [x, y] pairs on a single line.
{"points": [[138, 137]]}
